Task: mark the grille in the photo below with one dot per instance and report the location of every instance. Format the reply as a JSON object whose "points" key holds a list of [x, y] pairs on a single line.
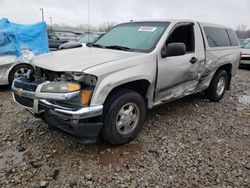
{"points": [[25, 85], [24, 101], [245, 58]]}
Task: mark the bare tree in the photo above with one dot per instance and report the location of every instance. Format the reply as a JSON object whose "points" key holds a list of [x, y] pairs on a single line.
{"points": [[241, 27], [242, 32], [86, 27], [107, 26]]}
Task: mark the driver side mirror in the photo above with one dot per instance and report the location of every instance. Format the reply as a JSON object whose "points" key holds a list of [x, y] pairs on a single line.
{"points": [[173, 49]]}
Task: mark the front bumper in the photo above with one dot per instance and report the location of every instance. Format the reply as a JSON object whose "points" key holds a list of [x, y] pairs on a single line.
{"points": [[80, 123], [245, 59]]}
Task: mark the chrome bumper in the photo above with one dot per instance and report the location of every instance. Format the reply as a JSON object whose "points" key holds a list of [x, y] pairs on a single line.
{"points": [[41, 103], [83, 113], [245, 62], [245, 59]]}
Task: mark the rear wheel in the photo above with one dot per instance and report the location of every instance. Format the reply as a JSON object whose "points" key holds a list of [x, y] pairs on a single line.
{"points": [[19, 71], [124, 116], [218, 86]]}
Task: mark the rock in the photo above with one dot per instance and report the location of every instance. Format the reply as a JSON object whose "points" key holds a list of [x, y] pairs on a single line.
{"points": [[44, 183], [72, 182], [21, 147], [88, 176], [48, 156], [247, 165], [35, 164], [117, 169], [88, 183], [154, 153], [55, 174]]}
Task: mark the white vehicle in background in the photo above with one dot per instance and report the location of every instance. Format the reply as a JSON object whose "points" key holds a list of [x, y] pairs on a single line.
{"points": [[18, 45], [87, 38], [12, 67], [245, 58]]}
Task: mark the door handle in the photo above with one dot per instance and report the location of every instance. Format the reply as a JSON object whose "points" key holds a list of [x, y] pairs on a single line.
{"points": [[193, 60]]}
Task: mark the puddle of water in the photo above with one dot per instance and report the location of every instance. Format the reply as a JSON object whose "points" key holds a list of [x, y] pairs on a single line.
{"points": [[10, 157]]}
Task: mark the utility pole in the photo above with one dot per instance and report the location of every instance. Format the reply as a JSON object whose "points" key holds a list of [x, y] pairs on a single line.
{"points": [[42, 14], [50, 18], [88, 21]]}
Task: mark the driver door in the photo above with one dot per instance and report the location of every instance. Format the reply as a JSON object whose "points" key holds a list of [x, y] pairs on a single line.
{"points": [[178, 76]]}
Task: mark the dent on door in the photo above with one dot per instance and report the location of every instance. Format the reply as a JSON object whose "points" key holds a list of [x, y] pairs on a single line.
{"points": [[178, 76]]}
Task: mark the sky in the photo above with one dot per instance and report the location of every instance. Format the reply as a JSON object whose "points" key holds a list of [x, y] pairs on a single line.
{"points": [[73, 12]]}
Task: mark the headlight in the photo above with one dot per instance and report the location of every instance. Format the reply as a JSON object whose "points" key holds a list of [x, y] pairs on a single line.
{"points": [[60, 87]]}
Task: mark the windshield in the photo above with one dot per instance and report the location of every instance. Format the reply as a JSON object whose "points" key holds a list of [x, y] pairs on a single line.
{"points": [[247, 46], [134, 36], [89, 38], [242, 42]]}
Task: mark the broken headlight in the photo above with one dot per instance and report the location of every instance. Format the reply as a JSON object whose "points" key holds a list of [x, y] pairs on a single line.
{"points": [[60, 87]]}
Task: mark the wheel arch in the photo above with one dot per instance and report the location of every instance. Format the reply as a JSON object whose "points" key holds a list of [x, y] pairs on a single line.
{"points": [[228, 68], [139, 86], [15, 65], [208, 76]]}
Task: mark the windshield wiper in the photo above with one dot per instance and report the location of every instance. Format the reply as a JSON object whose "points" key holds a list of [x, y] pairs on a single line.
{"points": [[95, 45], [119, 48]]}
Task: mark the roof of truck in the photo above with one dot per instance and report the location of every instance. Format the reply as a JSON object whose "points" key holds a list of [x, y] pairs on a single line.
{"points": [[182, 20]]}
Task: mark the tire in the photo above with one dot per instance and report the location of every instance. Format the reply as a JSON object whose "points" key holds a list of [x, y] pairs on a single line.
{"points": [[217, 87], [127, 109], [22, 69]]}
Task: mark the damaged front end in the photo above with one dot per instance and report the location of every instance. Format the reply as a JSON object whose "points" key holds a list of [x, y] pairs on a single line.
{"points": [[62, 99]]}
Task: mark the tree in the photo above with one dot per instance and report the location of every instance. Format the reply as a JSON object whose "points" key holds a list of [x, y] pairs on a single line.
{"points": [[241, 27], [106, 26], [242, 32]]}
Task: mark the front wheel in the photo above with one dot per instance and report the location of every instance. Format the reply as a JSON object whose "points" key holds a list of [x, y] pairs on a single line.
{"points": [[19, 71], [217, 87], [124, 116]]}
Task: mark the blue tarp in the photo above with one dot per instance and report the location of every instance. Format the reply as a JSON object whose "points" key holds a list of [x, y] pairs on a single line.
{"points": [[15, 37]]}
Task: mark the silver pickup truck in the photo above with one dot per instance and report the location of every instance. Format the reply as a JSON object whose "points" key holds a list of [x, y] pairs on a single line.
{"points": [[104, 90]]}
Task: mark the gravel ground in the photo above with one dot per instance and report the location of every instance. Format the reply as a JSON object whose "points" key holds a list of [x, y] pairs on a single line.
{"points": [[188, 143]]}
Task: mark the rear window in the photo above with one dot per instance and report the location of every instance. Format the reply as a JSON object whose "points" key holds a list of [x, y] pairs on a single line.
{"points": [[233, 38], [217, 37]]}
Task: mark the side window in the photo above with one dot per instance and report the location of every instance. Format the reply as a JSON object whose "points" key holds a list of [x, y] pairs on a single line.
{"points": [[183, 34], [217, 37], [233, 38]]}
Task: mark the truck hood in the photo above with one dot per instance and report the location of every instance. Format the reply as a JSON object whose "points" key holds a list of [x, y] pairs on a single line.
{"points": [[79, 59]]}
